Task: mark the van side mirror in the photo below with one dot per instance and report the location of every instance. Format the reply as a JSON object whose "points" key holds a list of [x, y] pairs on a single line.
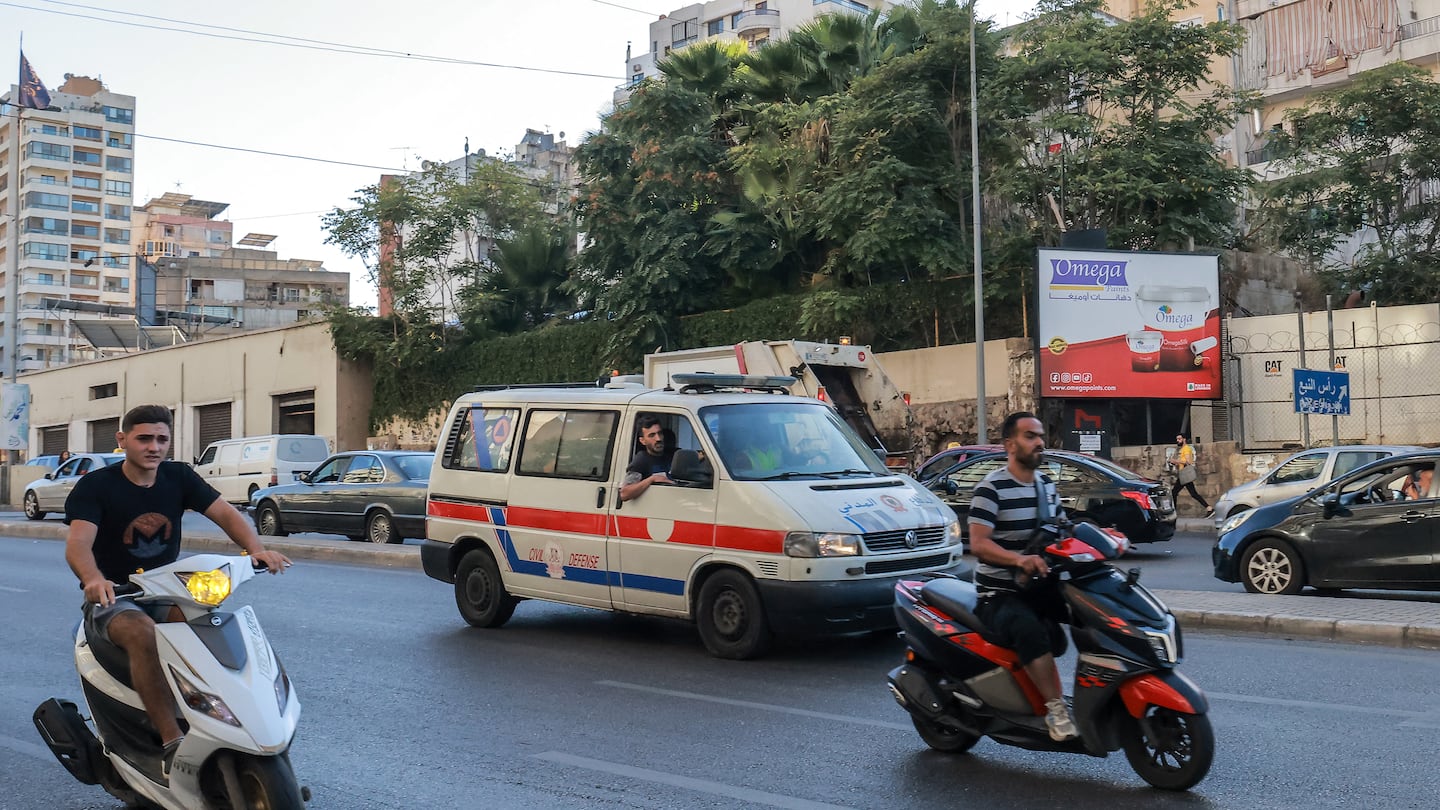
{"points": [[689, 469]]}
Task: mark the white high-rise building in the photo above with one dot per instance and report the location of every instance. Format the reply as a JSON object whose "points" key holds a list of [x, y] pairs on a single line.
{"points": [[76, 163]]}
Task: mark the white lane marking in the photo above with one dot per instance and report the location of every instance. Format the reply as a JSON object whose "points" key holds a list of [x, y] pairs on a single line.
{"points": [[764, 707], [24, 747], [687, 783], [1310, 704], [12, 590]]}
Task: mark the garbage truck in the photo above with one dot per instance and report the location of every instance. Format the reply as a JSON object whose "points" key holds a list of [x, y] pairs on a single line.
{"points": [[845, 375]]}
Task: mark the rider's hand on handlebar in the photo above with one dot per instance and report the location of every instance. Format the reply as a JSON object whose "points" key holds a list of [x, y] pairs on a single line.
{"points": [[273, 561], [100, 592], [1034, 565]]}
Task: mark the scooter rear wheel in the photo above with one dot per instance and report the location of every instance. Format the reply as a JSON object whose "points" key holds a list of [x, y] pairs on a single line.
{"points": [[944, 738], [1177, 752]]}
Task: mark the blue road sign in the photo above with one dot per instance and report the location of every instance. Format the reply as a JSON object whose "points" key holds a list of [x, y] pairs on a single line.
{"points": [[1326, 392]]}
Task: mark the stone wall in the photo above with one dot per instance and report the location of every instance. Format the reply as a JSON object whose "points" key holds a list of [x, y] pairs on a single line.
{"points": [[1221, 466]]}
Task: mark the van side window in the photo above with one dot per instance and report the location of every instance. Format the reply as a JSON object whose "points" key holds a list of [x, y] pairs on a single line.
{"points": [[568, 444], [209, 455], [483, 440]]}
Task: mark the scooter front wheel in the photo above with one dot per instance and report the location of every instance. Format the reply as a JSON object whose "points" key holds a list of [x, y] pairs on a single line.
{"points": [[1171, 750], [265, 783], [942, 737]]}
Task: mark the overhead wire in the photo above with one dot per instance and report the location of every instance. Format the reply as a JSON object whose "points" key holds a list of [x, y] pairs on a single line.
{"points": [[297, 42]]}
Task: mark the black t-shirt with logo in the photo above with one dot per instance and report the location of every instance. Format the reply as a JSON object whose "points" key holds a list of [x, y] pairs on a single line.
{"points": [[139, 527]]}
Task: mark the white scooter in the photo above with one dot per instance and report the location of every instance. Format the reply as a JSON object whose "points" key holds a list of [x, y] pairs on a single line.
{"points": [[236, 704]]}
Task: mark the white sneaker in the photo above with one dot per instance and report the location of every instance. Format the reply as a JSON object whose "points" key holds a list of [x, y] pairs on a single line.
{"points": [[1058, 720]]}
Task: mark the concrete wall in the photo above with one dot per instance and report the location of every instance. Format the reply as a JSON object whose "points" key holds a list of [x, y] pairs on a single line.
{"points": [[1220, 466], [247, 370]]}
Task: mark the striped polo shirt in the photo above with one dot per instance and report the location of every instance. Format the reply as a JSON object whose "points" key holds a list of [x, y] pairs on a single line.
{"points": [[1008, 507]]}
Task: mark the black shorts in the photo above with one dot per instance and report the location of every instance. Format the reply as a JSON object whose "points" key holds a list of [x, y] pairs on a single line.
{"points": [[1025, 623]]}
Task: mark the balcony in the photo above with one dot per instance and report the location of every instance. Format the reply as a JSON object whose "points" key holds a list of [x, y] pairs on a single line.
{"points": [[43, 338], [757, 20], [841, 5]]}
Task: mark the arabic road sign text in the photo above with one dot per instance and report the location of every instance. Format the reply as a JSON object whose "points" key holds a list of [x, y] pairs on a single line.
{"points": [[1324, 392]]}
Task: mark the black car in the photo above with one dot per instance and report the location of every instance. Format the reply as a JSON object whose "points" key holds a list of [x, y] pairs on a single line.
{"points": [[942, 461], [1090, 489], [1375, 527], [365, 495]]}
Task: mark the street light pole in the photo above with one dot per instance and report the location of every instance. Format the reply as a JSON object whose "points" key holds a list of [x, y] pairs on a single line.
{"points": [[981, 412]]}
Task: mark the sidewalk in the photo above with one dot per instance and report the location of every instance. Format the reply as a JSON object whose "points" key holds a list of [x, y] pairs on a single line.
{"points": [[1389, 622]]}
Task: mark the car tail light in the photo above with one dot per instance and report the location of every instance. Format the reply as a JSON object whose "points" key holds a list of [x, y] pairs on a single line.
{"points": [[1141, 498]]}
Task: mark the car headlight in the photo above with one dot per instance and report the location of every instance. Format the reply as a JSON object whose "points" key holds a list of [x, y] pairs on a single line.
{"points": [[1233, 522], [952, 533], [821, 544]]}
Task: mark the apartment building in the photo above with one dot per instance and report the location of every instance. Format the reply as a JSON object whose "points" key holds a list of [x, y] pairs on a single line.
{"points": [[75, 164], [753, 22], [240, 288]]}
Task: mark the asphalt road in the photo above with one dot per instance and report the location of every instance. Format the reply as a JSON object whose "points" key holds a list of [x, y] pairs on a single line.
{"points": [[406, 707]]}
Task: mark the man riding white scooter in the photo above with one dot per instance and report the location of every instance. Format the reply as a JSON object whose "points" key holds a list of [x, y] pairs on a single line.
{"points": [[128, 517]]}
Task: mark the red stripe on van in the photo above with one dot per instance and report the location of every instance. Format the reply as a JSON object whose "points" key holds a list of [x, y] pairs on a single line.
{"points": [[740, 538], [684, 531], [463, 511], [524, 517]]}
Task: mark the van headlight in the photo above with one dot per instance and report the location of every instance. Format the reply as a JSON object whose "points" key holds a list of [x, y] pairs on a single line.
{"points": [[821, 544], [1233, 522]]}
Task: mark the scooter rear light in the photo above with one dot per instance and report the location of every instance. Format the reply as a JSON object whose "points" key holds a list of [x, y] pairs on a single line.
{"points": [[1141, 498]]}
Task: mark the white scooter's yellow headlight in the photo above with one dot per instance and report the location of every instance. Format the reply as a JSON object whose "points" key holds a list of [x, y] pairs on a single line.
{"points": [[209, 587]]}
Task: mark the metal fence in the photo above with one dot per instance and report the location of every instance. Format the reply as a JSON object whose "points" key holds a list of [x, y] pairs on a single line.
{"points": [[1392, 355]]}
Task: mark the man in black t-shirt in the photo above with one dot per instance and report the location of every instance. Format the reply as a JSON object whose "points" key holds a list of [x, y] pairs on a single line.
{"points": [[127, 517], [651, 464]]}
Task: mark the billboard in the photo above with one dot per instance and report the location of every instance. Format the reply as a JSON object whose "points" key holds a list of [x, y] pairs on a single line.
{"points": [[15, 405], [1120, 324]]}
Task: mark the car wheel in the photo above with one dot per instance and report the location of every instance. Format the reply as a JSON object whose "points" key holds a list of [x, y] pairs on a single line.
{"points": [[730, 616], [380, 529], [1271, 566], [250, 496], [32, 507], [267, 521], [480, 592]]}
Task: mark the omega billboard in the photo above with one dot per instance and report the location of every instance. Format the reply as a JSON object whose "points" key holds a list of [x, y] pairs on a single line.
{"points": [[1122, 324]]}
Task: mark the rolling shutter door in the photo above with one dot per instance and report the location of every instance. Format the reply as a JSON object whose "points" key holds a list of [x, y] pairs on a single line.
{"points": [[213, 425], [102, 434], [54, 439]]}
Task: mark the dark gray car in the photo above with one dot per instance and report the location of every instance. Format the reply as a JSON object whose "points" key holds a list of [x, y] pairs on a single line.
{"points": [[375, 495]]}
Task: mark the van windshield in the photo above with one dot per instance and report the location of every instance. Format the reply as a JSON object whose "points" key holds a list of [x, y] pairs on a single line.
{"points": [[303, 449], [760, 441]]}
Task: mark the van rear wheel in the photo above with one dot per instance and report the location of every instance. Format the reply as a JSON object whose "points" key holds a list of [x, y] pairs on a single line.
{"points": [[730, 616], [480, 592]]}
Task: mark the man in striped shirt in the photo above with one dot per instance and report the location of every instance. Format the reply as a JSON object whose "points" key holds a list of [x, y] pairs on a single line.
{"points": [[1004, 513]]}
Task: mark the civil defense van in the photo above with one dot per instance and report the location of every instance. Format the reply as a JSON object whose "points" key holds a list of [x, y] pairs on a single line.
{"points": [[237, 468], [779, 520]]}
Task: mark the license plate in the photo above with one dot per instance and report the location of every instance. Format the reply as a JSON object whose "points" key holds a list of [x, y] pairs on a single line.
{"points": [[1166, 504]]}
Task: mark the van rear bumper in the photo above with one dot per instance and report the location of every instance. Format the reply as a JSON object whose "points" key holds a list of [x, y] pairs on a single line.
{"points": [[435, 559], [835, 607]]}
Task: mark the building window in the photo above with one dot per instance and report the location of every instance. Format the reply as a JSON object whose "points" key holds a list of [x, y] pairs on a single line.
{"points": [[80, 206], [50, 226], [118, 164], [84, 255], [43, 199], [118, 187], [120, 140], [48, 151], [84, 231], [715, 27], [215, 237], [86, 158], [105, 391], [117, 236], [292, 295], [80, 181], [46, 251], [169, 230], [113, 211], [1220, 12], [87, 133], [119, 115], [51, 129], [735, 20]]}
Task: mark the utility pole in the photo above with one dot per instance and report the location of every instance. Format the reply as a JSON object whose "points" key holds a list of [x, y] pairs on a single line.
{"points": [[981, 412]]}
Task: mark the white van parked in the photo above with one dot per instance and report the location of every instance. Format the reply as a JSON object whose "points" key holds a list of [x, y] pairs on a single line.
{"points": [[240, 467], [777, 517]]}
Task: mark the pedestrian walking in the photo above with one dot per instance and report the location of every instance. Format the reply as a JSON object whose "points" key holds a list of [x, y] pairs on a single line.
{"points": [[1186, 472]]}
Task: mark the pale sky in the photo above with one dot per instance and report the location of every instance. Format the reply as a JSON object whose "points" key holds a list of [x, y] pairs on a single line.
{"points": [[386, 113]]}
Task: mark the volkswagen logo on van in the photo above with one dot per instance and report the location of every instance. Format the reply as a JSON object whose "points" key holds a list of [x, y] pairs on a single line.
{"points": [[911, 539]]}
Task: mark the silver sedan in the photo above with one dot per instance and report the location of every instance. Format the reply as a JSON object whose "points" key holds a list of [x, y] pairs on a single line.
{"points": [[48, 494]]}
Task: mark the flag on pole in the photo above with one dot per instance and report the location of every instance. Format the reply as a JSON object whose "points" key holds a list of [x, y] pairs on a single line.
{"points": [[32, 91]]}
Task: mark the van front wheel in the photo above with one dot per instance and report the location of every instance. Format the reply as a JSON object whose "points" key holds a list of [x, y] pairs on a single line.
{"points": [[480, 593], [730, 616]]}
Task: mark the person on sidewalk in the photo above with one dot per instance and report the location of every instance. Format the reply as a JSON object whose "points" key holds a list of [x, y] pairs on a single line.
{"points": [[1186, 472], [1005, 511], [126, 517]]}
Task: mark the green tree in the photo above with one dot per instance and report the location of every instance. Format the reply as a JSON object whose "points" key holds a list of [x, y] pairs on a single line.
{"points": [[1122, 128], [1364, 162], [525, 288]]}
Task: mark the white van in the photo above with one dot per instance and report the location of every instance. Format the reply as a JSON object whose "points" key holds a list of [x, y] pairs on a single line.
{"points": [[240, 467], [779, 518]]}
